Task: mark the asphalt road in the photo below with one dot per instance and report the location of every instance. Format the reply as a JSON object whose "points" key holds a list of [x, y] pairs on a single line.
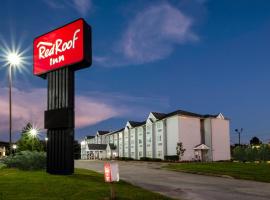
{"points": [[183, 185]]}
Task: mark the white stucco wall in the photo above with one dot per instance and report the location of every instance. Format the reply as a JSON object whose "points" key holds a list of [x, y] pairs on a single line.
{"points": [[172, 134], [132, 143], [208, 138], [159, 139], [149, 140], [120, 142], [189, 135], [140, 142], [220, 139]]}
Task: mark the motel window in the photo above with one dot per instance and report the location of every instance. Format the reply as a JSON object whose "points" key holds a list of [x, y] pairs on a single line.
{"points": [[148, 145], [132, 153], [140, 141], [140, 153], [159, 144], [140, 145], [159, 125], [149, 154], [149, 140], [159, 153], [159, 138]]}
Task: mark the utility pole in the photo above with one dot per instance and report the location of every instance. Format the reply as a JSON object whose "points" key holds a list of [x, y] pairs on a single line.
{"points": [[239, 132]]}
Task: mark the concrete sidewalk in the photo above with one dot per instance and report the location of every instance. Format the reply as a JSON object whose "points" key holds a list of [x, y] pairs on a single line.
{"points": [[183, 185]]}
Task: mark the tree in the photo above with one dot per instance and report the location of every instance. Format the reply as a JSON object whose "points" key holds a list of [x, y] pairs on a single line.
{"points": [[264, 152], [28, 142], [255, 141], [180, 150], [239, 153]]}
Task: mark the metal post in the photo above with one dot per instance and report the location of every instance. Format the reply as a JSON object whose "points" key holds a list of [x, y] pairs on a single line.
{"points": [[10, 106], [239, 140]]}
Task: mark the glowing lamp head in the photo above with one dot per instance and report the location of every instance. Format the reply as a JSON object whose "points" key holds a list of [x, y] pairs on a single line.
{"points": [[33, 132], [83, 143], [14, 59], [14, 146], [46, 139]]}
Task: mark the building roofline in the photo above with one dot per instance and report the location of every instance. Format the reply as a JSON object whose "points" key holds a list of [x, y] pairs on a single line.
{"points": [[161, 116]]}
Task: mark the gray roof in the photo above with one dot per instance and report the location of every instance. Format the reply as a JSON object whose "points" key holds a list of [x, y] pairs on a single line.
{"points": [[159, 115], [135, 124], [102, 132], [181, 112], [97, 146], [100, 146], [117, 131], [89, 136]]}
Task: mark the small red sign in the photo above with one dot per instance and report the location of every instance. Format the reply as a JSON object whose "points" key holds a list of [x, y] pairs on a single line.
{"points": [[69, 45], [107, 172]]}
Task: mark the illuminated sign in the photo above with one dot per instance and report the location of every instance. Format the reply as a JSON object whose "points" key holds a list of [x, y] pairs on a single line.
{"points": [[67, 46], [111, 172]]}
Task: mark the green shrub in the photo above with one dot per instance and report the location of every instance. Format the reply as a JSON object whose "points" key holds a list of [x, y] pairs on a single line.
{"points": [[251, 153], [145, 159], [172, 158], [27, 160], [264, 152], [2, 166], [150, 159], [239, 153], [125, 158]]}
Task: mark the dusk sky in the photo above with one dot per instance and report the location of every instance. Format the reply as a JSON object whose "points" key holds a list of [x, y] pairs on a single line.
{"points": [[202, 56]]}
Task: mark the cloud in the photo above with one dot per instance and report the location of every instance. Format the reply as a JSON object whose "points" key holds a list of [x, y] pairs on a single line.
{"points": [[81, 6], [90, 109], [151, 35], [29, 106]]}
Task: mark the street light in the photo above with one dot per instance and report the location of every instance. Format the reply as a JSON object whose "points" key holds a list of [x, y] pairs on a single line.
{"points": [[13, 60], [239, 135], [14, 147], [46, 142], [33, 132]]}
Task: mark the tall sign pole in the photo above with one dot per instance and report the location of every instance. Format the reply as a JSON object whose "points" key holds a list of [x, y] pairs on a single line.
{"points": [[57, 55]]}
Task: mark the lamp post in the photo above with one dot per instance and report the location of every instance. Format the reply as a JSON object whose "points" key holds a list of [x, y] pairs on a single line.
{"points": [[14, 147], [13, 60], [33, 132], [46, 141], [239, 135]]}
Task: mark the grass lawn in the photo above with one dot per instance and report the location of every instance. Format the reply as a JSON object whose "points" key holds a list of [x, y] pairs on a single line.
{"points": [[84, 184], [249, 171]]}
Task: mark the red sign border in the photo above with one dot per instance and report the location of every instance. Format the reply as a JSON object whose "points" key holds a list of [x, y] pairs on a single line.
{"points": [[87, 49]]}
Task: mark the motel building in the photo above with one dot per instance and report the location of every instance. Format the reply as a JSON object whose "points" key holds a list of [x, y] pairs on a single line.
{"points": [[204, 138]]}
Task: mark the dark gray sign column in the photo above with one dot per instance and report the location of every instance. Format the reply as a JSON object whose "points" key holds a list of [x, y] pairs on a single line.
{"points": [[59, 120]]}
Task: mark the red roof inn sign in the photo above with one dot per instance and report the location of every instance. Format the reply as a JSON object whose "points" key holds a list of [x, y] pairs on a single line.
{"points": [[56, 56], [67, 46]]}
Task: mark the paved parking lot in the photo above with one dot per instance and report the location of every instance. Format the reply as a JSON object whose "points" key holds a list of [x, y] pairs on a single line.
{"points": [[183, 185]]}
